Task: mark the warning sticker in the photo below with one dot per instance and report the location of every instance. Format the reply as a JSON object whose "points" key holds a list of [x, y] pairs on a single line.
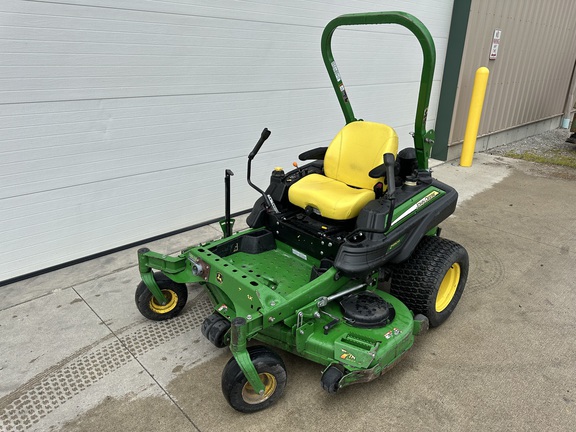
{"points": [[336, 71]]}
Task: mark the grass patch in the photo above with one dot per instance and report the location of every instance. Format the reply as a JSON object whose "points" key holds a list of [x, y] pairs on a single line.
{"points": [[553, 158]]}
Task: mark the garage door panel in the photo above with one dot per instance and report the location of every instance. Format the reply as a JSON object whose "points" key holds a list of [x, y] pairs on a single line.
{"points": [[117, 120], [116, 149]]}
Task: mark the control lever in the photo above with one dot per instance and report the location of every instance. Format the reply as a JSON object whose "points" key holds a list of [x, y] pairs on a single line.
{"points": [[390, 192], [267, 198], [228, 221], [263, 137], [330, 325], [389, 164], [295, 165]]}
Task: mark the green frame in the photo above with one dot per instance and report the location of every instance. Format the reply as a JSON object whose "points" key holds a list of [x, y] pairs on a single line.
{"points": [[423, 139]]}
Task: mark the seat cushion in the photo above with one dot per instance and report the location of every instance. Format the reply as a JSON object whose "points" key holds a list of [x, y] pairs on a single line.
{"points": [[356, 149], [332, 198], [346, 186]]}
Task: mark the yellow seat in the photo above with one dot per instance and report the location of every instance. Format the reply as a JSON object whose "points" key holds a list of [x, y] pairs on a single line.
{"points": [[345, 188]]}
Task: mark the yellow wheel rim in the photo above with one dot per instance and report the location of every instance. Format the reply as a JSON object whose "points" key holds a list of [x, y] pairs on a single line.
{"points": [[448, 287], [253, 398], [172, 298]]}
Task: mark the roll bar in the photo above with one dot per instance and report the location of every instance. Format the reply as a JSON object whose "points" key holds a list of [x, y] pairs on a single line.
{"points": [[422, 139]]}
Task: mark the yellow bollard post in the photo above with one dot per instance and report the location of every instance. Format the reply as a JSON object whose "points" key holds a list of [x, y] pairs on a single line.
{"points": [[474, 114]]}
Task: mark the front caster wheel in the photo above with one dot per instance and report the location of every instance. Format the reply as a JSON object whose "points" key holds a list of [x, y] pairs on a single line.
{"points": [[176, 295], [238, 391]]}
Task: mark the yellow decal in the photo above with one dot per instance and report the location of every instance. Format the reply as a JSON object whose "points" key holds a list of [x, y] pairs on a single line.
{"points": [[347, 356], [219, 277], [427, 198]]}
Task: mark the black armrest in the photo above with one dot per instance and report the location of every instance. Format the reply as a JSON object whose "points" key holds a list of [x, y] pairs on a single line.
{"points": [[314, 154], [378, 172]]}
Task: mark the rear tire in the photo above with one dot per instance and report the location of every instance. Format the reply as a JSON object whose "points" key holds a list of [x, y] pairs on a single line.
{"points": [[432, 280]]}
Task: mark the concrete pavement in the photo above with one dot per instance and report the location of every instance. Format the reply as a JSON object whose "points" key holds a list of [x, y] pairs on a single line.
{"points": [[76, 355]]}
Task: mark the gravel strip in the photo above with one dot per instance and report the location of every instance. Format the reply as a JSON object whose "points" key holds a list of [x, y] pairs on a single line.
{"points": [[548, 147]]}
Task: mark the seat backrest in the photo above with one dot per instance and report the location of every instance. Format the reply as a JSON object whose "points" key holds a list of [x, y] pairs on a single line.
{"points": [[359, 147]]}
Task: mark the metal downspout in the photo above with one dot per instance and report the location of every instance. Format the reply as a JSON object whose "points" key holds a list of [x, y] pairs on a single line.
{"points": [[569, 100]]}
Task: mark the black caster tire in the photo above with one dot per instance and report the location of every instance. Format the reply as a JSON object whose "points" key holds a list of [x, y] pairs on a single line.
{"points": [[215, 328], [331, 378], [238, 391], [176, 294], [432, 280]]}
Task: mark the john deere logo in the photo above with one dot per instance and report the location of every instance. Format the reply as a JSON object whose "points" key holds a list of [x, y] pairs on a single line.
{"points": [[219, 277]]}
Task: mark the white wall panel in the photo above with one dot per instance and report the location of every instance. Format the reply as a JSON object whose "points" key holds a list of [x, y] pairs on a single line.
{"points": [[118, 118]]}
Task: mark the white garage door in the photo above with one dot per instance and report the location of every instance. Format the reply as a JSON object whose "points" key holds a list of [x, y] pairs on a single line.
{"points": [[118, 118]]}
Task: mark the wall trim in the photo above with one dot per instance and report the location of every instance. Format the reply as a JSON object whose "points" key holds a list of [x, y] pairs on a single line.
{"points": [[450, 77]]}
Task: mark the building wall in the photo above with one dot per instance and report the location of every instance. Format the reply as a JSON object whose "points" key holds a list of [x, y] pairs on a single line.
{"points": [[118, 119], [530, 78]]}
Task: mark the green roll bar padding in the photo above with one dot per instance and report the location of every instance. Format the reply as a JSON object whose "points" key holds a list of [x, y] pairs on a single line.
{"points": [[422, 139]]}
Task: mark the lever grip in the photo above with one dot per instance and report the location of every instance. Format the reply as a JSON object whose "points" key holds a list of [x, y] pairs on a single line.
{"points": [[389, 160], [263, 137], [330, 325], [389, 164]]}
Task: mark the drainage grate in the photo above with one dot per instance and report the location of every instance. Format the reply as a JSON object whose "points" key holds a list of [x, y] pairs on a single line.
{"points": [[25, 407], [149, 337]]}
